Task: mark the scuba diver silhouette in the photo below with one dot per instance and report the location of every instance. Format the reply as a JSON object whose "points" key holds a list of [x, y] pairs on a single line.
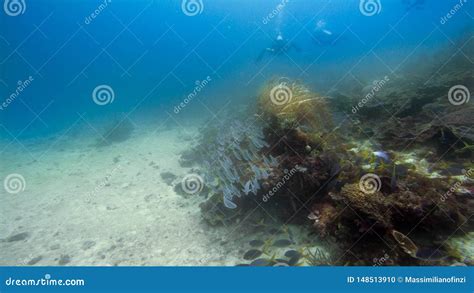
{"points": [[323, 36], [279, 46]]}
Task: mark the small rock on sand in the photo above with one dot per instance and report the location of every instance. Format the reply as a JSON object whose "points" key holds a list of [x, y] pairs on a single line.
{"points": [[54, 247], [168, 177], [87, 244], [34, 260], [18, 237], [64, 260]]}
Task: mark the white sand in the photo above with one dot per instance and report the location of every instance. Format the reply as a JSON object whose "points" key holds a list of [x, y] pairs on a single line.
{"points": [[72, 212]]}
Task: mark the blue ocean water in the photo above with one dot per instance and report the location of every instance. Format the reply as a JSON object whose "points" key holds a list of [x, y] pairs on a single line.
{"points": [[153, 54], [140, 133]]}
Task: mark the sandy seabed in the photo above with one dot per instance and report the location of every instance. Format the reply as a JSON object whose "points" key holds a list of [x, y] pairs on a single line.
{"points": [[84, 205]]}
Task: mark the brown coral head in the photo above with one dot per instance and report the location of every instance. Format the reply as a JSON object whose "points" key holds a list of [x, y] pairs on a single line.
{"points": [[370, 183], [405, 243]]}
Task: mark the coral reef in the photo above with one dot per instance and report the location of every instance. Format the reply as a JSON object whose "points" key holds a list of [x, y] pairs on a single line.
{"points": [[290, 161], [417, 108]]}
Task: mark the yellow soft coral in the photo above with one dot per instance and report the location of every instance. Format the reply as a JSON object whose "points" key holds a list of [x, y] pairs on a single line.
{"points": [[292, 105]]}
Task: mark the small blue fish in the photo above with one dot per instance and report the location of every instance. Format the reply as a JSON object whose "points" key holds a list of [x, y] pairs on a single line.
{"points": [[236, 154], [229, 204], [227, 193], [247, 187], [235, 191], [256, 171], [266, 161], [246, 155], [255, 185], [383, 155]]}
